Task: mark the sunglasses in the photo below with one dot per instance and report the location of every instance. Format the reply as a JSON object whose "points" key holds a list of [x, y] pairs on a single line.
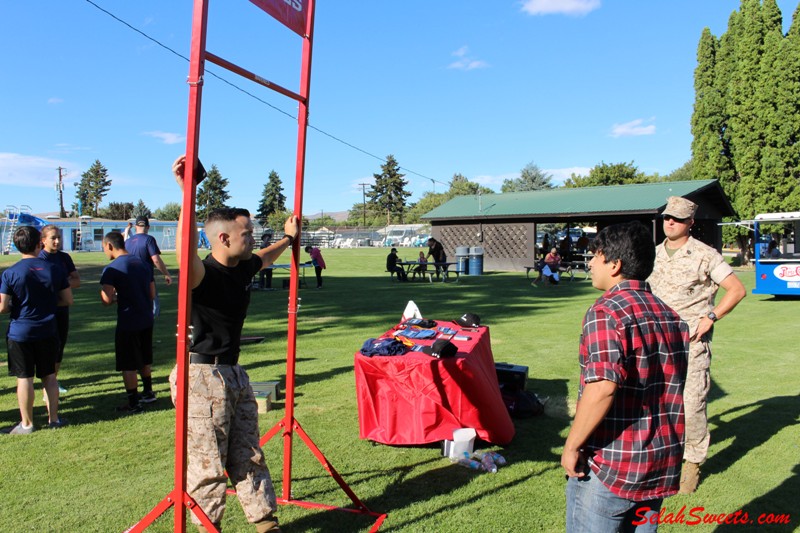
{"points": [[676, 219]]}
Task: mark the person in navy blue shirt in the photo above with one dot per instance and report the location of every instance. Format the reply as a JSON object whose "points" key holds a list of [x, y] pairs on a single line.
{"points": [[128, 283], [30, 291], [146, 248], [52, 253]]}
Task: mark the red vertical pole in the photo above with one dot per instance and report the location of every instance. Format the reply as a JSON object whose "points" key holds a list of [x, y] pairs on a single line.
{"points": [[195, 80], [291, 349]]}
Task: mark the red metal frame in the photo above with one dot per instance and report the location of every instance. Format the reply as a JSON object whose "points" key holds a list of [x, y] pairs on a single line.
{"points": [[178, 497]]}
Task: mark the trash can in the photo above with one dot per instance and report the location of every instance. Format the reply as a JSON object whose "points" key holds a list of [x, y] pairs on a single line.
{"points": [[476, 261], [462, 259]]}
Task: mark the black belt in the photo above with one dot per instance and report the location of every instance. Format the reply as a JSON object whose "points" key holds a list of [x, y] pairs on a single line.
{"points": [[200, 359]]}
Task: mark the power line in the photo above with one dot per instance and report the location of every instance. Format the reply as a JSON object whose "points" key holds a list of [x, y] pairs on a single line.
{"points": [[251, 95]]}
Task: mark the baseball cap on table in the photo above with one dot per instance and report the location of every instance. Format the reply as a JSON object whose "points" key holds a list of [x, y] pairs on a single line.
{"points": [[469, 320], [142, 221], [441, 348], [680, 207]]}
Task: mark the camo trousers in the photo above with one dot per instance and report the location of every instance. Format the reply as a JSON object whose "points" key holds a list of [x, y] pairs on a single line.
{"points": [[695, 394], [222, 434]]}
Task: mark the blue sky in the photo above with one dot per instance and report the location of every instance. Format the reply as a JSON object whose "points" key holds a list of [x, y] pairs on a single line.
{"points": [[479, 88]]}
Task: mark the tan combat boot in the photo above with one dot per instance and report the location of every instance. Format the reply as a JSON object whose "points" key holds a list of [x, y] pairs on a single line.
{"points": [[267, 525], [690, 477]]}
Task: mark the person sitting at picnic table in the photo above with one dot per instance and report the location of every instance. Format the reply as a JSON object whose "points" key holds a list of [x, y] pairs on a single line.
{"points": [[421, 267], [549, 267], [392, 265]]}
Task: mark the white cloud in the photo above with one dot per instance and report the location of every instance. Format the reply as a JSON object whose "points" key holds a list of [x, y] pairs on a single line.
{"points": [[67, 148], [560, 175], [465, 62], [494, 182], [29, 170], [166, 137], [55, 100], [553, 7], [633, 128]]}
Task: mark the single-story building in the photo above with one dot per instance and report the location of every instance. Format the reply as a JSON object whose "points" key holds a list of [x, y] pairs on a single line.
{"points": [[504, 225]]}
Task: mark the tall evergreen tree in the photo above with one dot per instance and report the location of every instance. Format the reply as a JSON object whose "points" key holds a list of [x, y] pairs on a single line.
{"points": [[789, 114], [388, 192], [746, 139], [531, 178], [92, 188], [212, 194], [272, 198], [708, 121], [141, 210]]}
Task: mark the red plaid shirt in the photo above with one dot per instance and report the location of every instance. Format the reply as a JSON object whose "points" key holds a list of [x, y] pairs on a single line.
{"points": [[634, 339]]}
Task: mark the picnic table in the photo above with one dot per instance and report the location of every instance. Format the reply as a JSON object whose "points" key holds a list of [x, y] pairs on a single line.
{"points": [[288, 268], [430, 269], [569, 268]]}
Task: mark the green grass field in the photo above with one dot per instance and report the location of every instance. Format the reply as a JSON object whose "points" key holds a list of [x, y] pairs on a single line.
{"points": [[105, 472]]}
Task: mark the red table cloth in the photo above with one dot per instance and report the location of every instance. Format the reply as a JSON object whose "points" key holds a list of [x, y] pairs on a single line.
{"points": [[416, 398]]}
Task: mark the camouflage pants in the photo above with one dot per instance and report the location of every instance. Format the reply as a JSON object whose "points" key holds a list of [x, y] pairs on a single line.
{"points": [[695, 393], [222, 434]]}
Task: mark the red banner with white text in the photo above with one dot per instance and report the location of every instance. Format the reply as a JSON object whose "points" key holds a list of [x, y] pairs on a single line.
{"points": [[290, 13]]}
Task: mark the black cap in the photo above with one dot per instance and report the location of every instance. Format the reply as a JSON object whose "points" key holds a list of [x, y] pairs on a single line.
{"points": [[142, 221], [468, 320]]}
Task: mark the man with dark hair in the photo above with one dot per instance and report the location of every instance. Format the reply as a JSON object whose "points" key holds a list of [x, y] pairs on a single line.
{"points": [[128, 282], [222, 434], [436, 250], [392, 265], [623, 452], [687, 275], [146, 249], [30, 291], [52, 253]]}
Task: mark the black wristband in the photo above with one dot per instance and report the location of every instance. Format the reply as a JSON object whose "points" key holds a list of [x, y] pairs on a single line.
{"points": [[291, 239]]}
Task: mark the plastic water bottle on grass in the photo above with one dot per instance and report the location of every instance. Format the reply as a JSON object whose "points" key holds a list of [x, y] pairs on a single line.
{"points": [[466, 462], [498, 459], [487, 463]]}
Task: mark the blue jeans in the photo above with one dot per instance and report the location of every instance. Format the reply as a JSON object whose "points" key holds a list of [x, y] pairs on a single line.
{"points": [[593, 508]]}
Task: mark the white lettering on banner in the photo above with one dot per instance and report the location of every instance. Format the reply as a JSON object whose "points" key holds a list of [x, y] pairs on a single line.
{"points": [[787, 272], [297, 5]]}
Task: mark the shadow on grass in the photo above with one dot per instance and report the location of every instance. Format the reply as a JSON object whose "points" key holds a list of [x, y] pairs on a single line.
{"points": [[407, 487], [777, 508], [757, 424]]}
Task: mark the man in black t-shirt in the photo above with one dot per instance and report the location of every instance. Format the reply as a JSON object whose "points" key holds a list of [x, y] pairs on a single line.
{"points": [[436, 250], [222, 432]]}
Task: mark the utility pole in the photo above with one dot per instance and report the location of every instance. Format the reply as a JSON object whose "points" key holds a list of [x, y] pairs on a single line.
{"points": [[60, 188], [364, 200]]}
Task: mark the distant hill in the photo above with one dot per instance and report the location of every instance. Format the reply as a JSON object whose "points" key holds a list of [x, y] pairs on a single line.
{"points": [[338, 216]]}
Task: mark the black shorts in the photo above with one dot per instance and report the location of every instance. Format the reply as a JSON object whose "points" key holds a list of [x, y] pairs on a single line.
{"points": [[29, 358], [134, 349]]}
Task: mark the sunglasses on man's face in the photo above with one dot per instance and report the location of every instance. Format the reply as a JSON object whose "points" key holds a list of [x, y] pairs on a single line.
{"points": [[676, 219]]}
